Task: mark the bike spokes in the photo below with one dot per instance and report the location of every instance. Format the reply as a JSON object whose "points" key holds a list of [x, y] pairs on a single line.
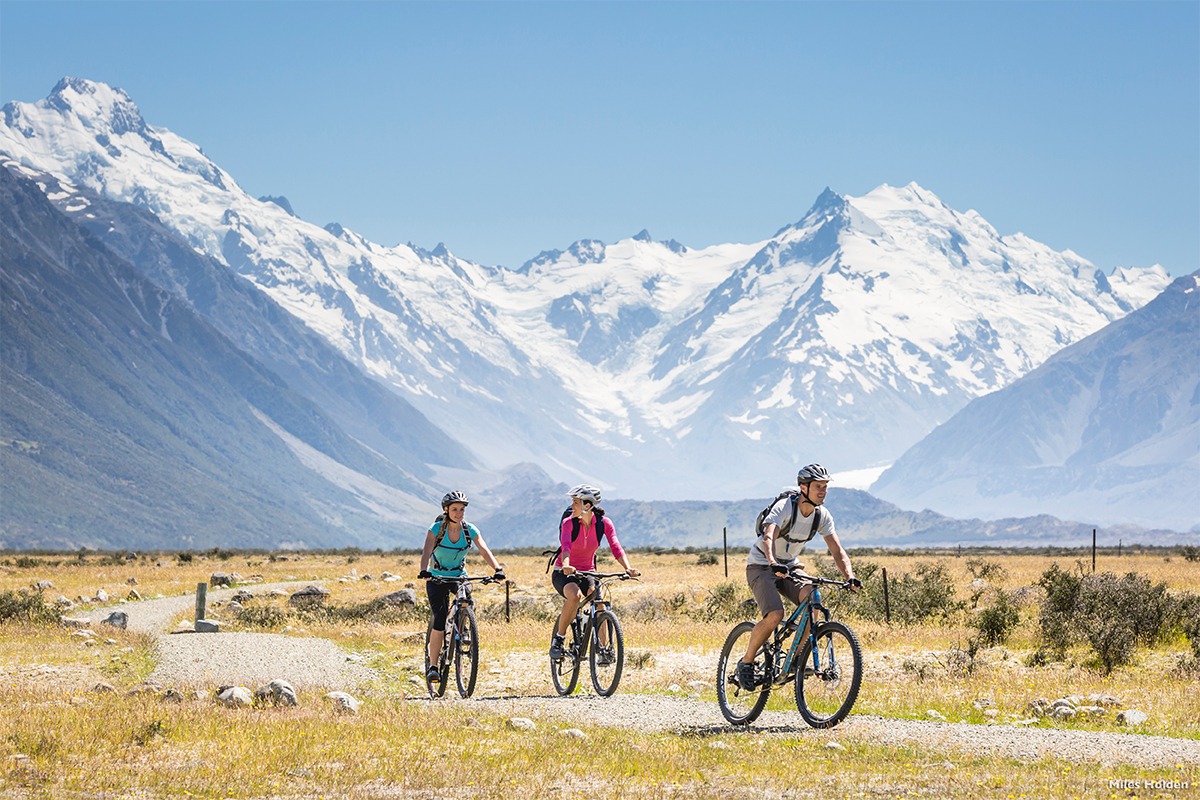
{"points": [[466, 652], [607, 653], [829, 676], [564, 671], [741, 705]]}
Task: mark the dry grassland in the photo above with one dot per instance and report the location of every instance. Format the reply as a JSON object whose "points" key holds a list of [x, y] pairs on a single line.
{"points": [[59, 738]]}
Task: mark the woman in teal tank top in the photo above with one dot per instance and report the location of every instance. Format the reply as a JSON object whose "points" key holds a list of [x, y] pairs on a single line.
{"points": [[446, 546]]}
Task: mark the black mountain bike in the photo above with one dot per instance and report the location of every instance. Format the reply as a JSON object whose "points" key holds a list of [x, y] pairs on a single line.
{"points": [[461, 645], [825, 661], [595, 635]]}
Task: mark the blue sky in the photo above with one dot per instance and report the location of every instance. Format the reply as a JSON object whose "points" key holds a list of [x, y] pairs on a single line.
{"points": [[503, 129]]}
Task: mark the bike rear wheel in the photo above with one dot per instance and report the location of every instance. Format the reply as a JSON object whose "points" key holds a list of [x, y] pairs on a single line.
{"points": [[741, 706], [438, 688], [565, 671], [466, 652], [607, 660], [827, 685]]}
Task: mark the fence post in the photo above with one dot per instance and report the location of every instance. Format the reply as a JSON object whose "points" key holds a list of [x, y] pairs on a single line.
{"points": [[887, 606], [725, 547], [507, 613], [201, 600], [1093, 550]]}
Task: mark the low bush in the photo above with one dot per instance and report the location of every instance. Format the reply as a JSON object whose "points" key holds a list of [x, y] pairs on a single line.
{"points": [[26, 607], [996, 623], [266, 617], [1111, 614], [727, 602], [924, 595]]}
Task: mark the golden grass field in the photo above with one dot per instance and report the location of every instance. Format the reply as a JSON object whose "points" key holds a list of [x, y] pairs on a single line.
{"points": [[61, 739]]}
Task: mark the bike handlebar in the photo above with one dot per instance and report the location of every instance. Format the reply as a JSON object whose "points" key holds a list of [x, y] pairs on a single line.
{"points": [[485, 579], [625, 576], [801, 577]]}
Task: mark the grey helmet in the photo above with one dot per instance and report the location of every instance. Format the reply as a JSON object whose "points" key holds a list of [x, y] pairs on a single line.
{"points": [[813, 472], [586, 493], [454, 497]]}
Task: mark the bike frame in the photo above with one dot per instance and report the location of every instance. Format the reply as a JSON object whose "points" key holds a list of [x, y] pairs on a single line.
{"points": [[588, 606], [462, 597], [782, 661]]}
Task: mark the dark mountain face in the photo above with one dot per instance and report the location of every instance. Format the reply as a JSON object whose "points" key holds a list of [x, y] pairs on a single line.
{"points": [[128, 421], [362, 407]]}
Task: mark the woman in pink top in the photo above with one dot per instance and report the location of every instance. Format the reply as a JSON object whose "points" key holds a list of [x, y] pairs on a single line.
{"points": [[579, 553]]}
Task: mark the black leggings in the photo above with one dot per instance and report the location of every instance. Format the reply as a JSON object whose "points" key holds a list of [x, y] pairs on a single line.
{"points": [[439, 602]]}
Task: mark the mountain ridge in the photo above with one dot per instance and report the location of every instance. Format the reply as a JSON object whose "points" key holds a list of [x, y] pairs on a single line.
{"points": [[715, 370]]}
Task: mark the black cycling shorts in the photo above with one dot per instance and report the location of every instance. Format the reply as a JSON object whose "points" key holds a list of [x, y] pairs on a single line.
{"points": [[560, 581]]}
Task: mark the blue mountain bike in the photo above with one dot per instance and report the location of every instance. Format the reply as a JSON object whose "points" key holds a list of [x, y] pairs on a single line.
{"points": [[824, 660]]}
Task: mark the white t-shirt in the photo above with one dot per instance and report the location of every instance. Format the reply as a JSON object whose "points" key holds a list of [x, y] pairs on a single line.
{"points": [[786, 551]]}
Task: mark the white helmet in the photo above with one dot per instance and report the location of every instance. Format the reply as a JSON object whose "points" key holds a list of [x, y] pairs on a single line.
{"points": [[588, 494], [813, 472]]}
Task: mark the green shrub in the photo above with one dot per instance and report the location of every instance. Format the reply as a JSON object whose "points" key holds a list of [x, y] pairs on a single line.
{"points": [[1055, 620], [26, 607], [262, 617], [986, 570], [1189, 619], [727, 602], [1112, 614], [923, 595], [1190, 552], [706, 560], [997, 622]]}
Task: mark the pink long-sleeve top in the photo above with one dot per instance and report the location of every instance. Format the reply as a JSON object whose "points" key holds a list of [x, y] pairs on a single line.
{"points": [[583, 550]]}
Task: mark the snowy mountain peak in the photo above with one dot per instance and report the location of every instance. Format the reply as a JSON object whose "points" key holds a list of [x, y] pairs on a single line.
{"points": [[98, 105], [854, 331], [282, 202]]}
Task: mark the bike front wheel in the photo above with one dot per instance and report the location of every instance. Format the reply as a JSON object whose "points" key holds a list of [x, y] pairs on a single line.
{"points": [[738, 705], [829, 675], [607, 656], [565, 671], [466, 652]]}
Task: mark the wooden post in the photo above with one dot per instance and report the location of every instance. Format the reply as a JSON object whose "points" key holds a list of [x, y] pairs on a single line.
{"points": [[725, 547], [507, 613], [1119, 543], [887, 607], [201, 600], [1093, 550]]}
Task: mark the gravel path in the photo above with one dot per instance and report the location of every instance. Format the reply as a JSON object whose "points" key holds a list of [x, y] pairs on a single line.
{"points": [[204, 660], [691, 717], [255, 658]]}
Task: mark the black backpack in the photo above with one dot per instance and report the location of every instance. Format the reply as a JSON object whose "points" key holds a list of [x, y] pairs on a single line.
{"points": [[598, 512], [786, 530]]}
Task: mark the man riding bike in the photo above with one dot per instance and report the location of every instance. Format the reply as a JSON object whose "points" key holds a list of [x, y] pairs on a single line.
{"points": [[773, 557]]}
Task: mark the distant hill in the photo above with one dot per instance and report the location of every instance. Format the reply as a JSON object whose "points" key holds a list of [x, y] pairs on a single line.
{"points": [[523, 510]]}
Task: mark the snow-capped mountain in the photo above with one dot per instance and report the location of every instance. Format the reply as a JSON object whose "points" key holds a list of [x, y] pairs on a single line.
{"points": [[1107, 431], [658, 370], [128, 420]]}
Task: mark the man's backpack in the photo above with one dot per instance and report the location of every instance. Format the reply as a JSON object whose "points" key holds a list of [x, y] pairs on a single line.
{"points": [[785, 530], [555, 553]]}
